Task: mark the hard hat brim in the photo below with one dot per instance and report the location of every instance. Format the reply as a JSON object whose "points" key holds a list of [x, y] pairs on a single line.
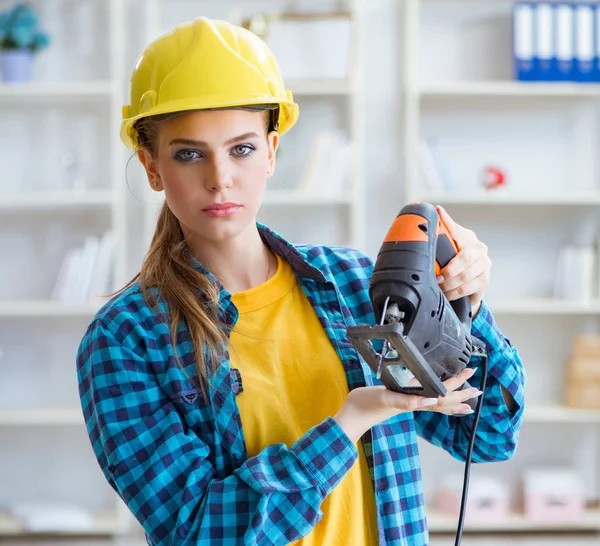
{"points": [[288, 112]]}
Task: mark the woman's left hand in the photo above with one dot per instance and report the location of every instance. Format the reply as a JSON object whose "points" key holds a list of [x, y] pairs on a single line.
{"points": [[468, 273]]}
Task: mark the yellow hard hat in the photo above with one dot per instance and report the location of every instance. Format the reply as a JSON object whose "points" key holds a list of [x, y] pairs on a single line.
{"points": [[203, 64]]}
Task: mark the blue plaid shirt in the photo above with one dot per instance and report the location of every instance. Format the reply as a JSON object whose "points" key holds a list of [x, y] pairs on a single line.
{"points": [[178, 460]]}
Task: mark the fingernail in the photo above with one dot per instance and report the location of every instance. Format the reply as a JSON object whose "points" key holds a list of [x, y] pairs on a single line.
{"points": [[478, 393], [429, 401], [473, 370], [439, 278], [466, 411]]}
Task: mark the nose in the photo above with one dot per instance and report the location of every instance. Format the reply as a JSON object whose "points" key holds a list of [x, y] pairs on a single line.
{"points": [[219, 175]]}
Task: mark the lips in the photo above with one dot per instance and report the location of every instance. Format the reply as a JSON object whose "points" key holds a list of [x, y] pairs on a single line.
{"points": [[222, 210], [222, 206]]}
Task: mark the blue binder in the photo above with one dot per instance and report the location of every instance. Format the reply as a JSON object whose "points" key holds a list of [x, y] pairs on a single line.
{"points": [[523, 41], [584, 67], [596, 70], [564, 27], [543, 33]]}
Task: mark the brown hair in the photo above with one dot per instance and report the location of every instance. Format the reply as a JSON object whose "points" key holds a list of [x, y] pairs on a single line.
{"points": [[188, 293]]}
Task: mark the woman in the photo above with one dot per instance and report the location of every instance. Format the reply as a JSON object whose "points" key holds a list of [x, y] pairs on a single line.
{"points": [[222, 398]]}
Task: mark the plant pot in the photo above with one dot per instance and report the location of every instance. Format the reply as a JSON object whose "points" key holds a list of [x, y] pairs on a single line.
{"points": [[17, 65]]}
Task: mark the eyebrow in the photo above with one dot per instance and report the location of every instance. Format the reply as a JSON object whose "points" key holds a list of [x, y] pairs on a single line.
{"points": [[202, 143]]}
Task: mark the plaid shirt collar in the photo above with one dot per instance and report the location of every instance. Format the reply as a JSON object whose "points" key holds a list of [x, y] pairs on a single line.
{"points": [[302, 266]]}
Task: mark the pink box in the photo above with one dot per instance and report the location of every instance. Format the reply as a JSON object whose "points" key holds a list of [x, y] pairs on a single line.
{"points": [[553, 495], [488, 498]]}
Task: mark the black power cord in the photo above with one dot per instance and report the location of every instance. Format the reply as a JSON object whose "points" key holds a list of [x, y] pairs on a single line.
{"points": [[479, 350]]}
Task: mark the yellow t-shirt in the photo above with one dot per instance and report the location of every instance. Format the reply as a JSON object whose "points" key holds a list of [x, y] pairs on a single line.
{"points": [[293, 379]]}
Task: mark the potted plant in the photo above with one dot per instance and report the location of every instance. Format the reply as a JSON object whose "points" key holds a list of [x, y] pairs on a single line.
{"points": [[20, 40]]}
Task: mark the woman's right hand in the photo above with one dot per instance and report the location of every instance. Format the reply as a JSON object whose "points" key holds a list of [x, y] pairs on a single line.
{"points": [[367, 406]]}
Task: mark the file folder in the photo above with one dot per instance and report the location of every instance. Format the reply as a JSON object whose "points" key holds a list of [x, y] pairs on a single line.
{"points": [[523, 41], [544, 42], [584, 43], [564, 27], [596, 72]]}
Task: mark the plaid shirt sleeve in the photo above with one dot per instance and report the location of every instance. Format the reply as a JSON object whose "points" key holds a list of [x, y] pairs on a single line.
{"points": [[498, 429], [161, 469]]}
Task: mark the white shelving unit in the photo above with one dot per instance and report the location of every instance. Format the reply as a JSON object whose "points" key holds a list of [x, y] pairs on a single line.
{"points": [[58, 91], [40, 335], [579, 199], [516, 523], [46, 309], [479, 115], [32, 322], [284, 205], [24, 417], [104, 524], [72, 416], [53, 201], [544, 306], [507, 89], [560, 414]]}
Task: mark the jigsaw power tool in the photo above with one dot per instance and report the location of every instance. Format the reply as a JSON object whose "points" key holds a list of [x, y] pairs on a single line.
{"points": [[425, 337], [420, 338]]}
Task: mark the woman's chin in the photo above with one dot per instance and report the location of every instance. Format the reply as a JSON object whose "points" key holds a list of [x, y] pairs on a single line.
{"points": [[220, 230]]}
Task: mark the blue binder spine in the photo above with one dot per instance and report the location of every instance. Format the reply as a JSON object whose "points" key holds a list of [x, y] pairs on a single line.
{"points": [[596, 71], [564, 26], [584, 43], [523, 41], [544, 42]]}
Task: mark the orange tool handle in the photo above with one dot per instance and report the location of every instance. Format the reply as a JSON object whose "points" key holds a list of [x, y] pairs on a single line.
{"points": [[407, 227]]}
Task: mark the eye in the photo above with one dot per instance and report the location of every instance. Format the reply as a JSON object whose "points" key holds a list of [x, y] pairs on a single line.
{"points": [[187, 155], [243, 150]]}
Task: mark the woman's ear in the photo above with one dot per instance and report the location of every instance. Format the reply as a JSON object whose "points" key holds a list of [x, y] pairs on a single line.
{"points": [[149, 164], [273, 141]]}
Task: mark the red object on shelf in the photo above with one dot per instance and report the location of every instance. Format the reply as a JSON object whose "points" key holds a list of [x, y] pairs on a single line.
{"points": [[494, 177]]}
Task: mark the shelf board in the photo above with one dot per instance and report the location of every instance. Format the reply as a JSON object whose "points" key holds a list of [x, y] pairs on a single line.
{"points": [[46, 308], [441, 523], [560, 414], [54, 200], [73, 416], [58, 90], [543, 306], [104, 524], [319, 87], [508, 89], [502, 198], [289, 197], [40, 416]]}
